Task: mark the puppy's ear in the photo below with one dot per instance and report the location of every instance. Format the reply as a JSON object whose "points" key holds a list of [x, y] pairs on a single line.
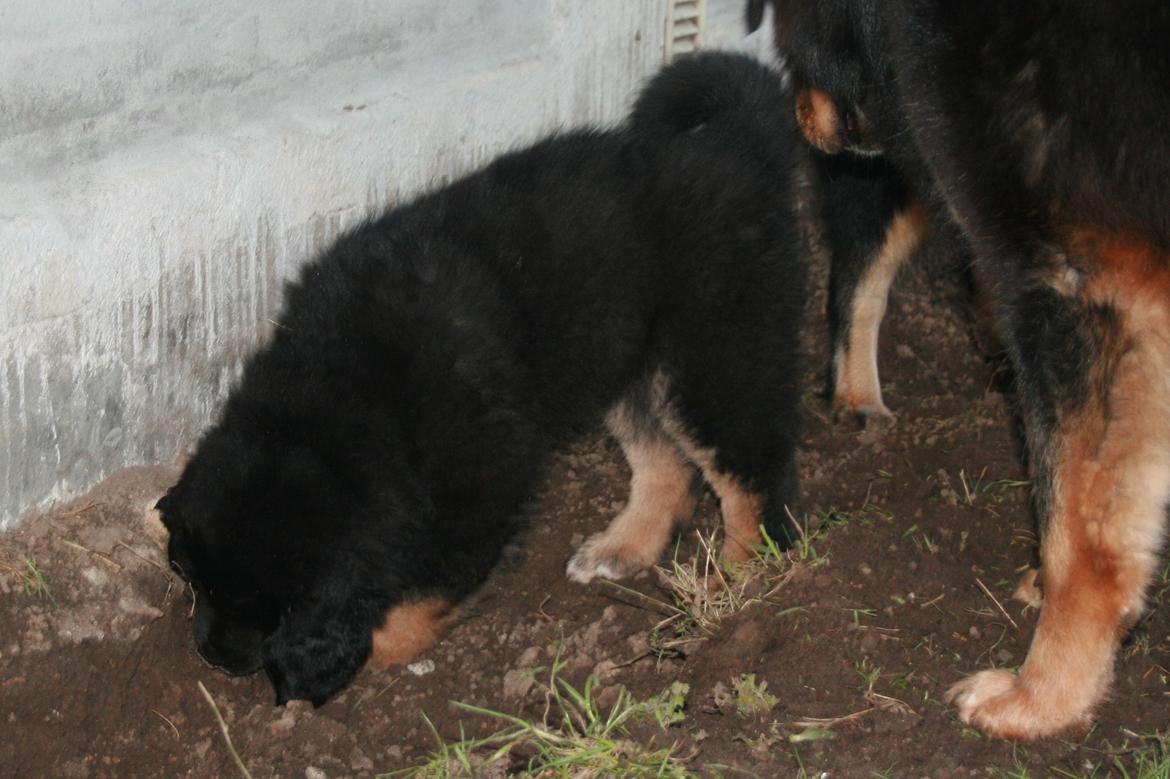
{"points": [[316, 652]]}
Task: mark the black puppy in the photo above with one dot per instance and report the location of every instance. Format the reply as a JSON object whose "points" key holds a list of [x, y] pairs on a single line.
{"points": [[1039, 128], [378, 454]]}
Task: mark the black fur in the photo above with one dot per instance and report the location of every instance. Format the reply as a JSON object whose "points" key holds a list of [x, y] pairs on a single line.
{"points": [[859, 196], [382, 446], [1040, 129]]}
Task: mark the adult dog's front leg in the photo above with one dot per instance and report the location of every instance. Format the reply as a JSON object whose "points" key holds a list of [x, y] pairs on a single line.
{"points": [[1095, 378]]}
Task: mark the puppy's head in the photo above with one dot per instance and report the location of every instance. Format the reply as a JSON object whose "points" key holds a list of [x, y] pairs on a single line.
{"points": [[827, 46], [266, 538]]}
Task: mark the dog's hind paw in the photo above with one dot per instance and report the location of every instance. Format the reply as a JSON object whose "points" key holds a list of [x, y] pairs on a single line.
{"points": [[597, 558]]}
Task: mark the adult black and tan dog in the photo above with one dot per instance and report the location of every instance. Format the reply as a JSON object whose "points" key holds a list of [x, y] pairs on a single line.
{"points": [[378, 453], [1039, 128]]}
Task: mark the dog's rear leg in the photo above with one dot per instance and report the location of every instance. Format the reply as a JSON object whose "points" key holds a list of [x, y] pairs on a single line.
{"points": [[872, 226], [748, 460], [1100, 375], [662, 494]]}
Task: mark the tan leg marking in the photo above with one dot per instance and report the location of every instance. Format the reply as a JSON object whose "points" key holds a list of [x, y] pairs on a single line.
{"points": [[660, 498], [410, 629], [817, 117], [858, 388], [743, 512], [742, 509], [1111, 464]]}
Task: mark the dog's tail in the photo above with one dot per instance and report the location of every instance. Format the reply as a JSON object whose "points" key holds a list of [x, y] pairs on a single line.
{"points": [[721, 90]]}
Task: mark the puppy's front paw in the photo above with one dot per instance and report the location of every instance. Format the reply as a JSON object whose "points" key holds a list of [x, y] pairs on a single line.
{"points": [[1001, 705], [599, 557]]}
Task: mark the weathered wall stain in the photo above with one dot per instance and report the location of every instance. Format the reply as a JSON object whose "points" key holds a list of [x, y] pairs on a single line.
{"points": [[164, 167]]}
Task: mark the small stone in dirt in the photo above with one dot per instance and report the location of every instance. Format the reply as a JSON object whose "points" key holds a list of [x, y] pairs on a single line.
{"points": [[138, 608], [313, 772], [639, 643], [889, 721], [358, 760], [95, 576], [287, 721], [722, 696], [517, 683], [589, 639], [973, 632], [606, 697], [422, 667], [528, 657], [605, 671], [299, 707], [904, 351], [865, 569], [1004, 656]]}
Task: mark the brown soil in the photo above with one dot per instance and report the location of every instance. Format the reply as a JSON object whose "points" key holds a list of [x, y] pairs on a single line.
{"points": [[98, 677]]}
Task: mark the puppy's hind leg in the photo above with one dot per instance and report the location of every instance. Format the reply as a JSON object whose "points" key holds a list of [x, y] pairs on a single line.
{"points": [[748, 459], [662, 494]]}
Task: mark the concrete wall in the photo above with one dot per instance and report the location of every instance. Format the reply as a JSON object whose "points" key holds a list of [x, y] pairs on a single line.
{"points": [[165, 164]]}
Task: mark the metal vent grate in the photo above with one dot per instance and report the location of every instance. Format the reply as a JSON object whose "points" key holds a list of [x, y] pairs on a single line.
{"points": [[684, 26]]}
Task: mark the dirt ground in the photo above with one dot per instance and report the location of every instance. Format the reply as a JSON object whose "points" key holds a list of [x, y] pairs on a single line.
{"points": [[922, 531]]}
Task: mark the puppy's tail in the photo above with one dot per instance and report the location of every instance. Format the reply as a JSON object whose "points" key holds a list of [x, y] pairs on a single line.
{"points": [[715, 91]]}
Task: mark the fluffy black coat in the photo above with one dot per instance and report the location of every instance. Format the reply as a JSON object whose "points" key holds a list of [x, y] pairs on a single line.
{"points": [[382, 446]]}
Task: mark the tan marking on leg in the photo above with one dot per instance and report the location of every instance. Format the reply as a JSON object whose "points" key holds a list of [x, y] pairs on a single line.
{"points": [[743, 512], [660, 498], [742, 509], [858, 387], [410, 629], [817, 117], [1111, 483]]}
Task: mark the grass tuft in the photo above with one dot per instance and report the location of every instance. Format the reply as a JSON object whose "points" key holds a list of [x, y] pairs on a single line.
{"points": [[586, 740], [752, 699], [705, 591], [32, 580]]}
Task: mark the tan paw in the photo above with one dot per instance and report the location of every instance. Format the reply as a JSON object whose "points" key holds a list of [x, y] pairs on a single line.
{"points": [[596, 558], [1002, 706], [872, 416]]}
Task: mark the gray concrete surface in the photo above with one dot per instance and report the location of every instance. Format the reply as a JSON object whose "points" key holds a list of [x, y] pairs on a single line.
{"points": [[166, 164]]}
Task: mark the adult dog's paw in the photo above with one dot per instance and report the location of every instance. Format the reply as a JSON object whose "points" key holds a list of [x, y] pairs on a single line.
{"points": [[1001, 705]]}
